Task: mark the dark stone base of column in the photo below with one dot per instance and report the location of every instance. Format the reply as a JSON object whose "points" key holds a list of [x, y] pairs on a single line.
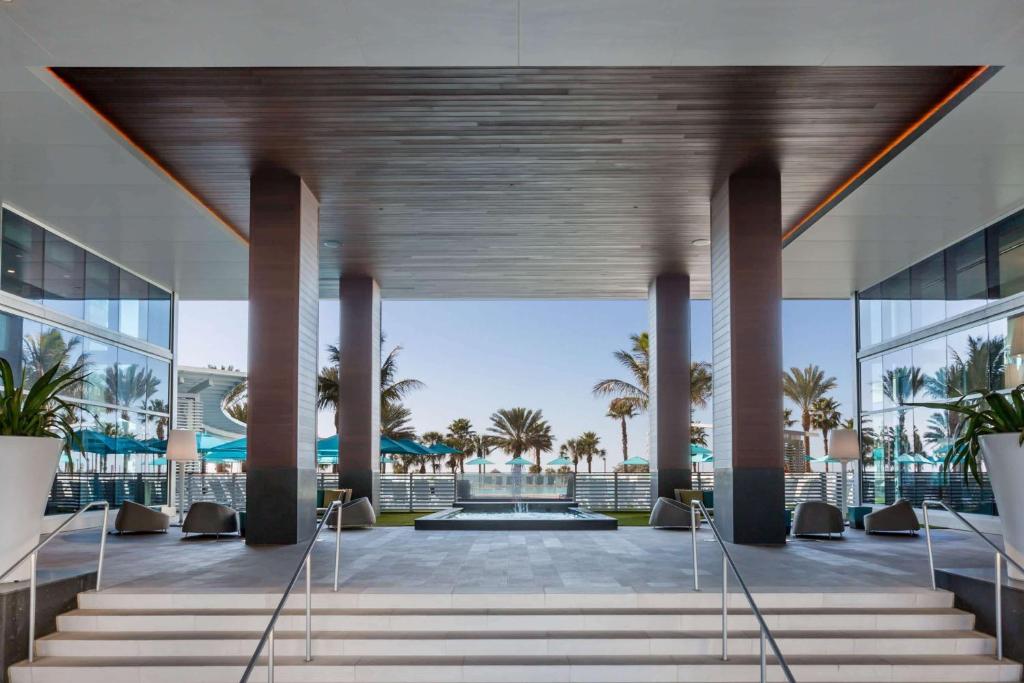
{"points": [[750, 505], [975, 592], [664, 482], [280, 505], [360, 481]]}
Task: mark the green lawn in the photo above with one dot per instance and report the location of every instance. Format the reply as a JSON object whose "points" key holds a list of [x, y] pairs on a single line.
{"points": [[638, 518]]}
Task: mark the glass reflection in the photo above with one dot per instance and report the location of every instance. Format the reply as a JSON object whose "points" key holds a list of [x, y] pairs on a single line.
{"points": [[971, 359], [102, 286], [63, 276], [896, 305], [928, 291], [1009, 236], [966, 276], [21, 256], [870, 316]]}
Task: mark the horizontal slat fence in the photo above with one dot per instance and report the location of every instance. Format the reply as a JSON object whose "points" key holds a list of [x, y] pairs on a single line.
{"points": [[72, 491], [962, 496]]}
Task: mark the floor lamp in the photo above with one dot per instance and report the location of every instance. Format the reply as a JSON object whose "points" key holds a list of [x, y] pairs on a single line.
{"points": [[844, 446], [181, 448]]}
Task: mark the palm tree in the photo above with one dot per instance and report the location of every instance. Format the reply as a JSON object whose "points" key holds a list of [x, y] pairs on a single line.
{"points": [[48, 349], [392, 391], [804, 387], [514, 429], [570, 449], [162, 422], [588, 445], [622, 410], [460, 436], [236, 402], [481, 446], [787, 418], [540, 440], [432, 439], [901, 385], [698, 435], [636, 391], [825, 416]]}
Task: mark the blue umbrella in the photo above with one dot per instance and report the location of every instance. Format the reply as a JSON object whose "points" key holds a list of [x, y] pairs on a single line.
{"points": [[561, 461], [91, 441], [635, 460], [520, 461], [443, 449], [697, 449], [231, 447]]}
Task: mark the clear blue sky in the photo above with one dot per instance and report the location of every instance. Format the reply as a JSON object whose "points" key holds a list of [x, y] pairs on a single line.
{"points": [[476, 357]]}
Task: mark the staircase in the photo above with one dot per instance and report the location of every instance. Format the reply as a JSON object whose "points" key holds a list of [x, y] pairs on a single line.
{"points": [[154, 637]]}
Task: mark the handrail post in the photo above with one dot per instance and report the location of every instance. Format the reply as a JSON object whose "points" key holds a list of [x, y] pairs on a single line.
{"points": [[309, 608], [270, 656], [928, 539], [32, 606], [725, 607], [999, 606], [693, 542], [764, 658], [337, 546], [103, 548]]}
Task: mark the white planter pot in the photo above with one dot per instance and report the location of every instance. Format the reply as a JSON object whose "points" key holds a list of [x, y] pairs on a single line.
{"points": [[1004, 460], [27, 466]]}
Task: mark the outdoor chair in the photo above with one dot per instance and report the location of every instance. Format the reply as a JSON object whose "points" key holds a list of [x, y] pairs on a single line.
{"points": [[135, 518], [356, 514], [670, 514], [899, 516], [817, 517], [211, 518]]}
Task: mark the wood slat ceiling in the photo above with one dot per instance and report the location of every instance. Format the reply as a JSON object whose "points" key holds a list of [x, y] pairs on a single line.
{"points": [[512, 182]]}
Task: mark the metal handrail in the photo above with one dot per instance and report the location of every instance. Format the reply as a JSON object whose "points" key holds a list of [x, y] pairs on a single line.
{"points": [[33, 555], [727, 562], [1000, 556], [267, 639]]}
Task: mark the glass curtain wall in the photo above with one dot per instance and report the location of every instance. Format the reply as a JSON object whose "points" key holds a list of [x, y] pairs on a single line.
{"points": [[901, 443]]}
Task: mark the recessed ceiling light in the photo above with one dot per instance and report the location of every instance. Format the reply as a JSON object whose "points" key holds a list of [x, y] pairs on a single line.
{"points": [[702, 242], [331, 244], [10, 271]]}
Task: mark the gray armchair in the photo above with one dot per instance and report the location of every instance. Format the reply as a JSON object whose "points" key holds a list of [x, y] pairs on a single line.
{"points": [[817, 517], [211, 518], [135, 518], [899, 516], [358, 513], [670, 514]]}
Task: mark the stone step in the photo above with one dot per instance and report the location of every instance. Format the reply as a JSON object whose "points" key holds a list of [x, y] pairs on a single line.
{"points": [[537, 669], [413, 643], [708, 598], [517, 620]]}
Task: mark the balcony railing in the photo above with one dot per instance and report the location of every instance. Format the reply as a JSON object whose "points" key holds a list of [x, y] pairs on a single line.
{"points": [[71, 492], [917, 487]]}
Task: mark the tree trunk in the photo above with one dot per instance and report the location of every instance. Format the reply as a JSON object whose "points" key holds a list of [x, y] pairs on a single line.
{"points": [[625, 441], [805, 422], [824, 437]]}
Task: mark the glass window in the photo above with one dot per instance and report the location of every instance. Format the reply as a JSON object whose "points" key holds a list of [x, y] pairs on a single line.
{"points": [[22, 257], [101, 385], [928, 291], [870, 316], [102, 290], [930, 361], [10, 341], [158, 379], [159, 331], [966, 283], [134, 381], [901, 381], [63, 276], [997, 354], [134, 296], [896, 305], [1013, 348], [967, 361], [1009, 236], [931, 431], [871, 373]]}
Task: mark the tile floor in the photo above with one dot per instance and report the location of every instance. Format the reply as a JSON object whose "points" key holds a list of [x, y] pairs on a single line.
{"points": [[400, 559]]}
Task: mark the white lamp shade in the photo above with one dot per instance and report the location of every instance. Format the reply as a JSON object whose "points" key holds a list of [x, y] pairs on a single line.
{"points": [[181, 445], [844, 445]]}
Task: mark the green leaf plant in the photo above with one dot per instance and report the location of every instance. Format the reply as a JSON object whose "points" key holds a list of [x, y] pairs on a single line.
{"points": [[984, 413], [38, 410]]}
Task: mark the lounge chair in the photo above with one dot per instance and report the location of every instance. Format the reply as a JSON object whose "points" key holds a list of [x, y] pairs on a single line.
{"points": [[135, 518], [670, 514], [356, 514], [899, 516], [817, 517], [211, 518]]}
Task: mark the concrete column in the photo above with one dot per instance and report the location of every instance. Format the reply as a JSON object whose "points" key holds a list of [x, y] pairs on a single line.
{"points": [[283, 320], [359, 386], [669, 313], [746, 298]]}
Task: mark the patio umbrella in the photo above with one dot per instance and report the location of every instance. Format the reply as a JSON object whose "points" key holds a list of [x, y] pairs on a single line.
{"points": [[561, 461], [520, 461], [235, 447], [413, 448], [443, 449], [328, 446], [907, 459], [206, 442], [385, 460], [635, 460], [481, 462], [91, 441], [388, 445], [697, 449]]}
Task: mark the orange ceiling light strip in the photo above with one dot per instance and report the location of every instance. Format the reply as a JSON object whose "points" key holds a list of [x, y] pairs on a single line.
{"points": [[148, 157], [893, 144]]}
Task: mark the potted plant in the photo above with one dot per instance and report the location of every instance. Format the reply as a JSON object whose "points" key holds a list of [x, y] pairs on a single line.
{"points": [[35, 425], [992, 430]]}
